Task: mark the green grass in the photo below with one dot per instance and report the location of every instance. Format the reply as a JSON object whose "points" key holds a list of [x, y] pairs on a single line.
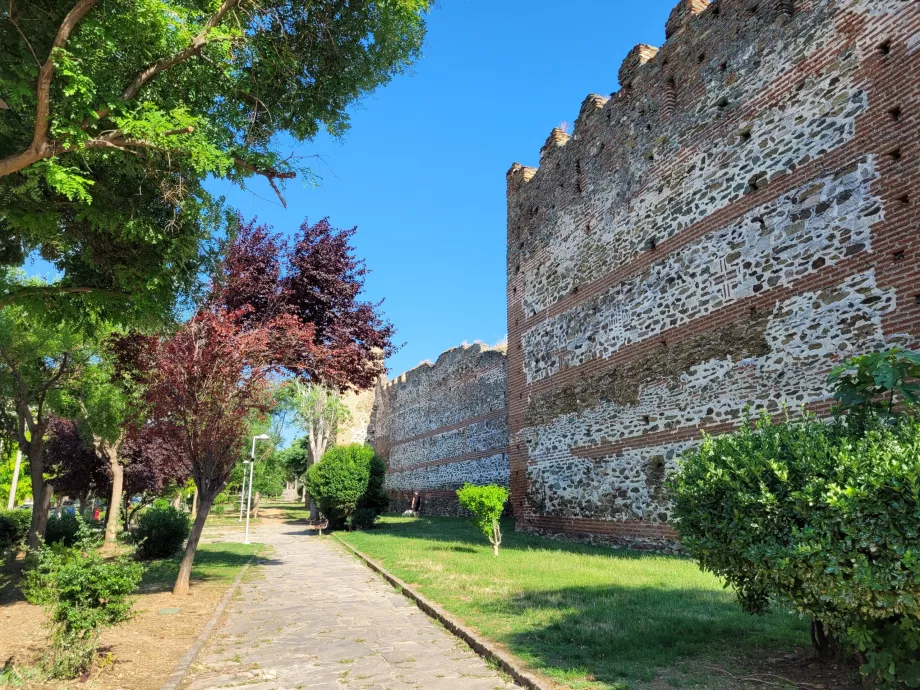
{"points": [[218, 562], [589, 617]]}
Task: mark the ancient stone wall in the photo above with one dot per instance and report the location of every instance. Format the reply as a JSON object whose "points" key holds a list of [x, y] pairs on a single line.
{"points": [[738, 217], [440, 425], [360, 406]]}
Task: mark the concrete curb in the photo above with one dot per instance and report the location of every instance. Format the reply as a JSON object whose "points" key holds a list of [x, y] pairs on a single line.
{"points": [[480, 645], [181, 668]]}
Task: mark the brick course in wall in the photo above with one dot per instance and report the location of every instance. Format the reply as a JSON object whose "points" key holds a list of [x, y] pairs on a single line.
{"points": [[441, 425], [738, 217]]}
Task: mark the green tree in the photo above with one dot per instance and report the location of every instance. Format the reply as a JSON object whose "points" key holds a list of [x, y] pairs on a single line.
{"points": [[486, 503], [114, 114], [319, 411], [38, 361]]}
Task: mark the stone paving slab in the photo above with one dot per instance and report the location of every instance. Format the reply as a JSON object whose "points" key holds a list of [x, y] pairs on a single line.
{"points": [[315, 617]]}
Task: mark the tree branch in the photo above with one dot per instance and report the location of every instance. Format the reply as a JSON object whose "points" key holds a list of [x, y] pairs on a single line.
{"points": [[199, 42], [269, 174], [43, 89]]}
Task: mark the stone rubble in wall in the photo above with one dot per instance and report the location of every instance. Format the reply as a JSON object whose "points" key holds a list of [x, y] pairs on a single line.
{"points": [[474, 438], [806, 332], [816, 225], [491, 470], [818, 118]]}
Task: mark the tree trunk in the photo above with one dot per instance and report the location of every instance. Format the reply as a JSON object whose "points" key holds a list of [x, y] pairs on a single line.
{"points": [[195, 504], [255, 505], [12, 502], [185, 567], [177, 501], [40, 501], [118, 478]]}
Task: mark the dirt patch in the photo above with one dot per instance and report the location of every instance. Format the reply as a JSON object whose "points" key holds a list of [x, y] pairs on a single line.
{"points": [[137, 655]]}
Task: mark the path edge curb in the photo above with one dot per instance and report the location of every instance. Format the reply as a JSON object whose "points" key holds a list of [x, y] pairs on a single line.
{"points": [[479, 644], [180, 670]]}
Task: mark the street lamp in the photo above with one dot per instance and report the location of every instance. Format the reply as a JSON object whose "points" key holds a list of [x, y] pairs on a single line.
{"points": [[252, 469]]}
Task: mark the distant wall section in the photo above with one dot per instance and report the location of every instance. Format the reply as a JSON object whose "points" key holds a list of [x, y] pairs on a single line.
{"points": [[440, 425]]}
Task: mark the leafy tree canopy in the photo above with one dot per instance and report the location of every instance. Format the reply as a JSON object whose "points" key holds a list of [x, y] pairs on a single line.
{"points": [[113, 113]]}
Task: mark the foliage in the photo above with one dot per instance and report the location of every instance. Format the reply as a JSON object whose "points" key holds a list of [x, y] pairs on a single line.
{"points": [[319, 411], [877, 381], [346, 479], [161, 532], [7, 468], [199, 90], [316, 282], [486, 503], [83, 592], [294, 458], [149, 469], [39, 360], [63, 529], [14, 526], [209, 379], [74, 466], [822, 516], [362, 518]]}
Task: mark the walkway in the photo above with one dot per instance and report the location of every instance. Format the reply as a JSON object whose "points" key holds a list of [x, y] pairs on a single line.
{"points": [[314, 617]]}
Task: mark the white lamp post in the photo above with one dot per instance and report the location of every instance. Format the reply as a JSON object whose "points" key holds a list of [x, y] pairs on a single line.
{"points": [[252, 469]]}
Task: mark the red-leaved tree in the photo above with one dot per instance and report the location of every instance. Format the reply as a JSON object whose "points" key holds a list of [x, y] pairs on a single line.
{"points": [[208, 379], [150, 468], [74, 468], [315, 282]]}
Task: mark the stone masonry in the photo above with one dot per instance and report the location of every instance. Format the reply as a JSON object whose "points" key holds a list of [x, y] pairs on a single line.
{"points": [[738, 217], [440, 425]]}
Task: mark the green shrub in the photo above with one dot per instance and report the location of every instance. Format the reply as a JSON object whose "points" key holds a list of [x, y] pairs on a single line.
{"points": [[161, 532], [82, 592], [877, 382], [346, 479], [486, 503], [62, 529], [14, 527], [821, 516], [362, 519], [220, 505]]}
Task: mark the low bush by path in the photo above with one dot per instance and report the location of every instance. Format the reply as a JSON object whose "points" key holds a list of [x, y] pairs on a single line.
{"points": [[588, 617]]}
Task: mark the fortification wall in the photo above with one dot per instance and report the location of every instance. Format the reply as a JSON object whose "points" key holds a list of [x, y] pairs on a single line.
{"points": [[740, 215], [360, 406], [440, 425]]}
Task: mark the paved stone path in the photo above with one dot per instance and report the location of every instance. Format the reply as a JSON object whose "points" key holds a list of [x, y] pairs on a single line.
{"points": [[315, 617]]}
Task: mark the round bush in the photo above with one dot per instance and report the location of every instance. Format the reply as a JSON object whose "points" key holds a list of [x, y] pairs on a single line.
{"points": [[821, 516], [161, 532], [62, 529], [14, 527], [346, 479]]}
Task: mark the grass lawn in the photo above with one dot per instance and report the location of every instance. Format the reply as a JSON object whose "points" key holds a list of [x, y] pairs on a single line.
{"points": [[588, 617], [219, 562]]}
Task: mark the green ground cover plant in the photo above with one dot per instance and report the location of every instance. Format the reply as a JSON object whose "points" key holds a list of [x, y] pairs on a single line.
{"points": [[588, 617], [82, 592]]}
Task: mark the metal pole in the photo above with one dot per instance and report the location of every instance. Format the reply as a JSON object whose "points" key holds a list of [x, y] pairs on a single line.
{"points": [[252, 469], [243, 491], [12, 502], [252, 455]]}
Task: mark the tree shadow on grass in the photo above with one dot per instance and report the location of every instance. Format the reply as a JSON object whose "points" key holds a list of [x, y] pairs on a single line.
{"points": [[211, 565], [615, 634], [445, 529]]}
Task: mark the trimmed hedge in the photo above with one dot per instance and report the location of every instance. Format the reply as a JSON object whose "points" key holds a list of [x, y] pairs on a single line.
{"points": [[821, 516], [161, 532], [346, 480]]}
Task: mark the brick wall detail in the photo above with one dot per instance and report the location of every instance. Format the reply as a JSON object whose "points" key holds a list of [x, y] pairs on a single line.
{"points": [[737, 217]]}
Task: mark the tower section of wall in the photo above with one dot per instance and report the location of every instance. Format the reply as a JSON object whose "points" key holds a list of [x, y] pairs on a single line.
{"points": [[738, 217], [440, 425]]}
